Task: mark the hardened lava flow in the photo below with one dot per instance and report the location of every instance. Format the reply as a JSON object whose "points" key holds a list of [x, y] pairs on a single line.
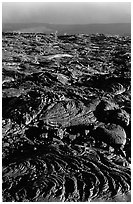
{"points": [[66, 118]]}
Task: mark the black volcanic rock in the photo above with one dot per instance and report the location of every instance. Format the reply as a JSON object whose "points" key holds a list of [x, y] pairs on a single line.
{"points": [[103, 108], [118, 116], [112, 134]]}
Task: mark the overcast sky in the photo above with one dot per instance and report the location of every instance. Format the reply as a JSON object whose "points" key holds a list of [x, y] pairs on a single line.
{"points": [[67, 12]]}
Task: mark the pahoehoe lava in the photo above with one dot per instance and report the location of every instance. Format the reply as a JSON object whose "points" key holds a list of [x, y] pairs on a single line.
{"points": [[66, 118]]}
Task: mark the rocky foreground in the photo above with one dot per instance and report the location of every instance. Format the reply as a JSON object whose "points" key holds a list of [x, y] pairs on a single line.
{"points": [[66, 104]]}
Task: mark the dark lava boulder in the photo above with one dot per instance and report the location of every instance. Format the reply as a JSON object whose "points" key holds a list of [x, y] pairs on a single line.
{"points": [[119, 116], [102, 108], [112, 134], [105, 105]]}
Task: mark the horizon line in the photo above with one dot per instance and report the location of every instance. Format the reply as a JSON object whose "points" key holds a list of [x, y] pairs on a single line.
{"points": [[61, 23]]}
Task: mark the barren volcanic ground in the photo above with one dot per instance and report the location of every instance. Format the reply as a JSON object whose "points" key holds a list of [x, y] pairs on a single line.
{"points": [[66, 117]]}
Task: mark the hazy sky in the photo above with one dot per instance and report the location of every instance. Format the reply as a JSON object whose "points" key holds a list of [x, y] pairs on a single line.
{"points": [[67, 12]]}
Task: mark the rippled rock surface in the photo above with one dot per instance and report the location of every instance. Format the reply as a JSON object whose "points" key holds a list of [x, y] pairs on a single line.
{"points": [[66, 174], [66, 118], [68, 113]]}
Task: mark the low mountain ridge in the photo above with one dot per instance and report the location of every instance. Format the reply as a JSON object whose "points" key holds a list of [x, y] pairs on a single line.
{"points": [[112, 28]]}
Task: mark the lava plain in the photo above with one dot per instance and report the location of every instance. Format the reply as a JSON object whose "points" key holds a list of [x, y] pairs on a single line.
{"points": [[66, 117]]}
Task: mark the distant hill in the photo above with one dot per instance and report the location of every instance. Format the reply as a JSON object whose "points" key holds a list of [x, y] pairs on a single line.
{"points": [[114, 28]]}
